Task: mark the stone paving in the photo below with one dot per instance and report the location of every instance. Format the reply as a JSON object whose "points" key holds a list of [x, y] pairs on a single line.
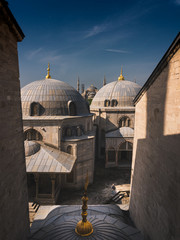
{"points": [[59, 222]]}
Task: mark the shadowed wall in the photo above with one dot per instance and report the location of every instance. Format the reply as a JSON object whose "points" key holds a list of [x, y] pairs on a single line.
{"points": [[156, 156]]}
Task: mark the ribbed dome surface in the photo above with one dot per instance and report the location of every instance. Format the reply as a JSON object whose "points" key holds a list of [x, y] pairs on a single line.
{"points": [[31, 147], [53, 96], [122, 91]]}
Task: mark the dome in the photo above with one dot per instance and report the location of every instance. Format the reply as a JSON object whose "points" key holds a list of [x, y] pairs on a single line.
{"points": [[116, 94], [92, 88], [51, 97], [31, 147], [121, 132]]}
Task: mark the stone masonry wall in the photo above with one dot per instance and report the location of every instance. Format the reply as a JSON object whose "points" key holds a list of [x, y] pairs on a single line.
{"points": [[14, 222], [156, 157]]}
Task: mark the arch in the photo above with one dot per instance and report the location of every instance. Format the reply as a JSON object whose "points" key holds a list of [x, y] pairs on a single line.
{"points": [[71, 108], [34, 109], [111, 155], [106, 103], [88, 126], [124, 122], [125, 154], [68, 132], [79, 131], [114, 103], [70, 149], [32, 134]]}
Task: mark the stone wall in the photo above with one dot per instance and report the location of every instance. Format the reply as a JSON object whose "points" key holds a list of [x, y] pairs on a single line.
{"points": [[14, 222], [156, 157]]}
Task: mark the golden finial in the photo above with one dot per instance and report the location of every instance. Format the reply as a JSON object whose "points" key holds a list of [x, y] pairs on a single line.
{"points": [[121, 76], [84, 227], [48, 71]]}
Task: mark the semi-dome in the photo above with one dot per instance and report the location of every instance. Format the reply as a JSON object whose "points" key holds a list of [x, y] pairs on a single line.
{"points": [[31, 147], [116, 94], [52, 97]]}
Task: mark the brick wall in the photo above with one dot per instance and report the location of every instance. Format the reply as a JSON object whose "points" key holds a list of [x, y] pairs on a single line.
{"points": [[13, 185]]}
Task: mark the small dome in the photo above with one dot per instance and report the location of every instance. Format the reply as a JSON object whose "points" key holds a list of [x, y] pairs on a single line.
{"points": [[31, 147], [121, 91], [53, 98], [121, 132], [92, 88]]}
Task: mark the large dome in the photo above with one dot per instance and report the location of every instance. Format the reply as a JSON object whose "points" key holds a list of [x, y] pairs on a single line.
{"points": [[116, 94], [52, 97]]}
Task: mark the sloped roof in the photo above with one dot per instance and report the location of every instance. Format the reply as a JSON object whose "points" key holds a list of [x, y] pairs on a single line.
{"points": [[159, 68], [49, 160], [121, 133]]}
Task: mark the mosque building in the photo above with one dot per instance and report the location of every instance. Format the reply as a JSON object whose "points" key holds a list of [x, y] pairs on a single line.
{"points": [[114, 118], [59, 138]]}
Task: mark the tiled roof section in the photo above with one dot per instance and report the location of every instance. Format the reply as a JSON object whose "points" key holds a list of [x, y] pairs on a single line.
{"points": [[122, 91], [7, 15], [53, 95], [49, 160], [159, 68], [121, 132]]}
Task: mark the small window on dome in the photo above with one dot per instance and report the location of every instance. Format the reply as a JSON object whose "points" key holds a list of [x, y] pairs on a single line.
{"points": [[34, 109], [106, 103], [114, 103], [71, 108]]}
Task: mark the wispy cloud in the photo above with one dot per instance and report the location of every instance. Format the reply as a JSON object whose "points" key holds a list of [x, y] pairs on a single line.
{"points": [[116, 50], [43, 56], [96, 30], [177, 2], [52, 58], [33, 53]]}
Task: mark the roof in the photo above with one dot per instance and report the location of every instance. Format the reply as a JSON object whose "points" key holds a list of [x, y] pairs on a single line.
{"points": [[53, 96], [59, 222], [49, 160], [122, 91], [11, 21], [159, 68], [121, 133]]}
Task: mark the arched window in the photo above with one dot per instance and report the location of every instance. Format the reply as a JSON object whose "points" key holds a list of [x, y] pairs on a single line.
{"points": [[72, 108], [70, 149], [32, 134], [124, 122], [111, 155], [88, 126], [106, 103], [79, 131], [35, 109], [114, 103], [125, 154], [68, 132]]}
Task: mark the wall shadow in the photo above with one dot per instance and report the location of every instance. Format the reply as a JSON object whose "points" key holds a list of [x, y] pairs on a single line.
{"points": [[155, 184]]}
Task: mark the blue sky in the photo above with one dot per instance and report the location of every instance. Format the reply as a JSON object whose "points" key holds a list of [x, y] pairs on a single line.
{"points": [[94, 38]]}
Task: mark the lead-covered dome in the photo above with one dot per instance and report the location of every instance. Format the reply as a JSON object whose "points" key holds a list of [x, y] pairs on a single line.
{"points": [[116, 94], [52, 97]]}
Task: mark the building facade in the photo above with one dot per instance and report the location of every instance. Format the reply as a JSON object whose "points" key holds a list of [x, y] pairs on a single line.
{"points": [[154, 202], [114, 118], [59, 138], [13, 182]]}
